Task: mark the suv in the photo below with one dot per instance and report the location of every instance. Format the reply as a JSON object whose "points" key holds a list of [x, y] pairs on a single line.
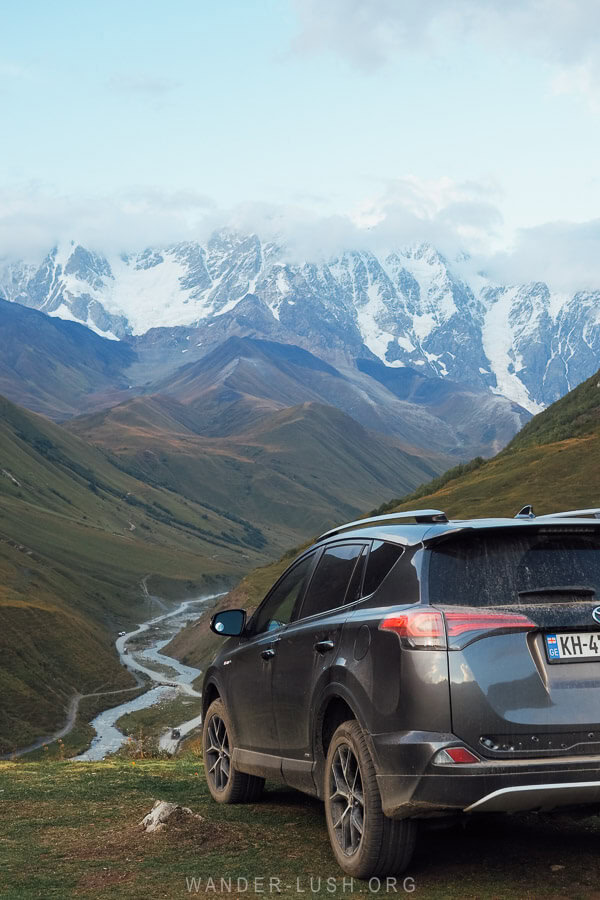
{"points": [[408, 666]]}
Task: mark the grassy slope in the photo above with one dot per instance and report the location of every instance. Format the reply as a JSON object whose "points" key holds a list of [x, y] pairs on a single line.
{"points": [[77, 535], [553, 463], [71, 830], [295, 471]]}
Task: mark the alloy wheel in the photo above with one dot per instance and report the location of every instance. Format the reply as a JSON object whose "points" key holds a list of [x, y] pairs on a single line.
{"points": [[346, 800], [218, 754]]}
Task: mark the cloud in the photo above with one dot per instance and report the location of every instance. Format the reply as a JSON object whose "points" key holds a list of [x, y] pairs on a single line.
{"points": [[33, 219], [148, 85], [453, 217], [582, 79], [370, 33], [565, 255]]}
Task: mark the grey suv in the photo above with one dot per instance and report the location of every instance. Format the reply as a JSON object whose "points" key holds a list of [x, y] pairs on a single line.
{"points": [[407, 667]]}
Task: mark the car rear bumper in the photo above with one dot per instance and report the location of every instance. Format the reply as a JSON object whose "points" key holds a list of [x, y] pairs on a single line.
{"points": [[428, 789], [538, 796]]}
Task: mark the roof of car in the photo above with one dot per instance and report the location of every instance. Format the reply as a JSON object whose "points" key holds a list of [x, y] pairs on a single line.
{"points": [[429, 527]]}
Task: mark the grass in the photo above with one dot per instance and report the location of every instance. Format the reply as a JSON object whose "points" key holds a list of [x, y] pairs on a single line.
{"points": [[71, 830], [575, 414], [554, 476]]}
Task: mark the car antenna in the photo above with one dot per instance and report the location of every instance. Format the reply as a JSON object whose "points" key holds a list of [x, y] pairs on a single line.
{"points": [[526, 513]]}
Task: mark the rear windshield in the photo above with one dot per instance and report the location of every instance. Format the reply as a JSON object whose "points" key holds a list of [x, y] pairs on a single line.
{"points": [[491, 569]]}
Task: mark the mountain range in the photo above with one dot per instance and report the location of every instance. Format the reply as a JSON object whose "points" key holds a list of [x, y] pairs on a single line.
{"points": [[62, 369], [408, 307]]}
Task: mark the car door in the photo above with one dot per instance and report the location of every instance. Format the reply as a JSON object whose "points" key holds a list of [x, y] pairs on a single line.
{"points": [[307, 649], [249, 669]]}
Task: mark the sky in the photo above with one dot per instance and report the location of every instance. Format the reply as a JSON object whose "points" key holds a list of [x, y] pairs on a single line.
{"points": [[473, 123]]}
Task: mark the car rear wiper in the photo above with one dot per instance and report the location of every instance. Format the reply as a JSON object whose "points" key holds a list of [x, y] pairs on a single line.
{"points": [[577, 590]]}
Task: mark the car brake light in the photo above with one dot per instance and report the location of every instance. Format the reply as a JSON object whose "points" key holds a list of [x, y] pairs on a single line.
{"points": [[426, 629], [459, 623], [458, 755], [419, 628]]}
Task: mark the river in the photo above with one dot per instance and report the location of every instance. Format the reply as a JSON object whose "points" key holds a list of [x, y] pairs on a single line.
{"points": [[169, 676]]}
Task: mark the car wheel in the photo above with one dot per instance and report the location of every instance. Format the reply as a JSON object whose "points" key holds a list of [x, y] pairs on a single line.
{"points": [[366, 843], [225, 783]]}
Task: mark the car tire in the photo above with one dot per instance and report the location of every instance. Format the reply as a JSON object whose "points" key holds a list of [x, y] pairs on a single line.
{"points": [[366, 843], [225, 783]]}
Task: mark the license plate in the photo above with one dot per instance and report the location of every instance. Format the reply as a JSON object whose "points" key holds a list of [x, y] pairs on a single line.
{"points": [[573, 646]]}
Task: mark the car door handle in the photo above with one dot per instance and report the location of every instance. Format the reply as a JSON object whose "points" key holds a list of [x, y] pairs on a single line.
{"points": [[268, 654], [324, 646]]}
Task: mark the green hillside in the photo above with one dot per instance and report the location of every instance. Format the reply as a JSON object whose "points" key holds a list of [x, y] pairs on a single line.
{"points": [[553, 463], [77, 536], [292, 472]]}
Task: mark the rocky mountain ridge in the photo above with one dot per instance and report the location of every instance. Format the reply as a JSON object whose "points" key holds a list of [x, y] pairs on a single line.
{"points": [[411, 307]]}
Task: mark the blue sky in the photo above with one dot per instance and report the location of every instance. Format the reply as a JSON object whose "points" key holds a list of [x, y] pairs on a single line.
{"points": [[479, 122]]}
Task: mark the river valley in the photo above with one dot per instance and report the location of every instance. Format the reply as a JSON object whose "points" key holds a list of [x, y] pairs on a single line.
{"points": [[140, 651]]}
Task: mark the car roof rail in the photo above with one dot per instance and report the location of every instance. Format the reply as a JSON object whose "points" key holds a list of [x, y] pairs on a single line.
{"points": [[573, 514], [421, 517]]}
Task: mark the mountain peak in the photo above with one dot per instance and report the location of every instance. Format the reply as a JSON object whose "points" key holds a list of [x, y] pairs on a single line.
{"points": [[410, 308]]}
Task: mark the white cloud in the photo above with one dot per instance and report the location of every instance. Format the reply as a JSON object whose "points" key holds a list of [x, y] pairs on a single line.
{"points": [[566, 255], [453, 217], [582, 79], [33, 219], [369, 33]]}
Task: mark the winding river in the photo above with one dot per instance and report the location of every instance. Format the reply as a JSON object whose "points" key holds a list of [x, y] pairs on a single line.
{"points": [[170, 677]]}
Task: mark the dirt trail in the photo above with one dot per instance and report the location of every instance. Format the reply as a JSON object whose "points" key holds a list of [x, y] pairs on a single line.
{"points": [[72, 710], [142, 674]]}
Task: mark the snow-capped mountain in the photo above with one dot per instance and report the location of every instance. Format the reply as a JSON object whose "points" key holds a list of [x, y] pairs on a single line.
{"points": [[407, 308]]}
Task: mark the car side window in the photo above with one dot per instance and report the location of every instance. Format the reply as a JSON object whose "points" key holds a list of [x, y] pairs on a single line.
{"points": [[278, 607], [381, 559], [329, 584]]}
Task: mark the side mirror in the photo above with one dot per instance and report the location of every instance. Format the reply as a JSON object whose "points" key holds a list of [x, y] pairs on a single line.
{"points": [[229, 623]]}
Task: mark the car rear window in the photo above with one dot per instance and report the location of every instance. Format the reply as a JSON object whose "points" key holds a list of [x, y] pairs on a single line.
{"points": [[494, 569], [381, 559]]}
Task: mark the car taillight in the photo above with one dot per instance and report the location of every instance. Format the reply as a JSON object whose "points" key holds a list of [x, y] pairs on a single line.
{"points": [[459, 623], [419, 628], [429, 629]]}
